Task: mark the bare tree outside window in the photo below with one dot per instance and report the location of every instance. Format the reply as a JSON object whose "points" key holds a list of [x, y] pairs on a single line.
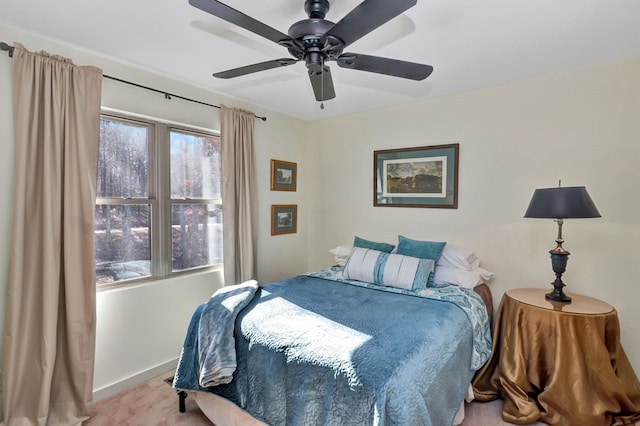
{"points": [[158, 206], [196, 234]]}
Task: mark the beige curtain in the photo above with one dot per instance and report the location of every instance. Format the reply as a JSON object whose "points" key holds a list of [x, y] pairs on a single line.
{"points": [[49, 340], [239, 199]]}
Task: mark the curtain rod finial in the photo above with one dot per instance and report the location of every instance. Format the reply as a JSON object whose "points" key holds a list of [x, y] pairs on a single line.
{"points": [[4, 46]]}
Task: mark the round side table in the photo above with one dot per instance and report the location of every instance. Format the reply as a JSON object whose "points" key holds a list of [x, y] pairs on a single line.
{"points": [[560, 363]]}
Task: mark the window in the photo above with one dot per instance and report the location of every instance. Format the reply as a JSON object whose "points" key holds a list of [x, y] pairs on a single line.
{"points": [[158, 206]]}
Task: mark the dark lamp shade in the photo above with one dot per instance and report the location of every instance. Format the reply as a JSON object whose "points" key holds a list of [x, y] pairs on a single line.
{"points": [[572, 202]]}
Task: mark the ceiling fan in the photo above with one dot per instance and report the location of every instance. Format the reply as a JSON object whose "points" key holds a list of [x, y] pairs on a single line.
{"points": [[316, 40]]}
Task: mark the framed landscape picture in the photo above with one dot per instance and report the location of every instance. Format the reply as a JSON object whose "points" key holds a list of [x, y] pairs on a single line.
{"points": [[425, 176], [284, 219], [283, 175]]}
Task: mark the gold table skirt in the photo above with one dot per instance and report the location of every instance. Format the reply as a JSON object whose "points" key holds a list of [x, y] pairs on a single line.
{"points": [[559, 368]]}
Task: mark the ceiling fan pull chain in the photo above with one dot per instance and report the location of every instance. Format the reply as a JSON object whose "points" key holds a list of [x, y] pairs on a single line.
{"points": [[322, 85]]}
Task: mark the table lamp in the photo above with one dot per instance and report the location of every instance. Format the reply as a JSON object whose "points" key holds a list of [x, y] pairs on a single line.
{"points": [[561, 203]]}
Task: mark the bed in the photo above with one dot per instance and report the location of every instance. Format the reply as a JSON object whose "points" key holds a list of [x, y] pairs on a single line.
{"points": [[324, 348]]}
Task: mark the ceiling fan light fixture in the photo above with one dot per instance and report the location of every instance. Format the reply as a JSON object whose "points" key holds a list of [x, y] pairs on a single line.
{"points": [[314, 59]]}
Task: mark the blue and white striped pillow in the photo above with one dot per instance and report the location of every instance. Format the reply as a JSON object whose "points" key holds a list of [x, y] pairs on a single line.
{"points": [[388, 269]]}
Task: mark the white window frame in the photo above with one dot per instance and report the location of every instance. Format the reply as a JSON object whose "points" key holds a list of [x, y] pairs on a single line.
{"points": [[159, 195]]}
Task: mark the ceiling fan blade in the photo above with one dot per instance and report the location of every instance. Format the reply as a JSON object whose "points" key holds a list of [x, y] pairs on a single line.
{"points": [[249, 69], [366, 17], [393, 67], [322, 83], [238, 18]]}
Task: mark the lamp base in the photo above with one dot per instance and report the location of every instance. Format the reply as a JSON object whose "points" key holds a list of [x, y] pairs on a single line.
{"points": [[559, 259], [557, 296]]}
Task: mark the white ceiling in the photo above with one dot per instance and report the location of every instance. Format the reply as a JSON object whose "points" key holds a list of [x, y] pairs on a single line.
{"points": [[471, 44]]}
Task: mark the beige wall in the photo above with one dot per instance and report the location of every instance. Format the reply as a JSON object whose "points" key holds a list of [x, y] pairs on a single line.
{"points": [[581, 127]]}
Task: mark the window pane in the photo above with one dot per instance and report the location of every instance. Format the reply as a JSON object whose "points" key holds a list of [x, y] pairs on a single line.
{"points": [[195, 166], [123, 246], [196, 235], [123, 160]]}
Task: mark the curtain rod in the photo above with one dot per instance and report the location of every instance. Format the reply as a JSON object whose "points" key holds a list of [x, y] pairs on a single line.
{"points": [[9, 49]]}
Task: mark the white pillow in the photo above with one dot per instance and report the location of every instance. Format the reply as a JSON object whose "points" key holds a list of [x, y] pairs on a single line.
{"points": [[461, 277], [341, 253], [392, 270], [362, 265], [458, 257]]}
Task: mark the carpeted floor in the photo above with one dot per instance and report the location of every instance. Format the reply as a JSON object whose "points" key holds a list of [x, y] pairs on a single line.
{"points": [[152, 403], [155, 403]]}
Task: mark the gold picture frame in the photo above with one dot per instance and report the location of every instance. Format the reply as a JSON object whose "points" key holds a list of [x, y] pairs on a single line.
{"points": [[284, 219], [284, 175]]}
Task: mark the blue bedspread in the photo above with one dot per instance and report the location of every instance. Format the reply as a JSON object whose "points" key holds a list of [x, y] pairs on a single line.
{"points": [[312, 351]]}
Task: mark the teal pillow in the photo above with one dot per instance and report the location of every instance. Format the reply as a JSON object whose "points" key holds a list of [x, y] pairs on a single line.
{"points": [[422, 249], [383, 247]]}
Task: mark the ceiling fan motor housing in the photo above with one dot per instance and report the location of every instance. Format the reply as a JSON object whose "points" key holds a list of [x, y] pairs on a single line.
{"points": [[316, 46], [312, 28]]}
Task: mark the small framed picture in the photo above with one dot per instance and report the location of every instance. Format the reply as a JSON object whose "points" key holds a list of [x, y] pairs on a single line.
{"points": [[425, 176], [283, 175], [284, 219]]}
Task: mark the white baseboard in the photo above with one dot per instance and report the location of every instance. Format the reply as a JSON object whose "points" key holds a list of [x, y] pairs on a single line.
{"points": [[128, 383]]}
